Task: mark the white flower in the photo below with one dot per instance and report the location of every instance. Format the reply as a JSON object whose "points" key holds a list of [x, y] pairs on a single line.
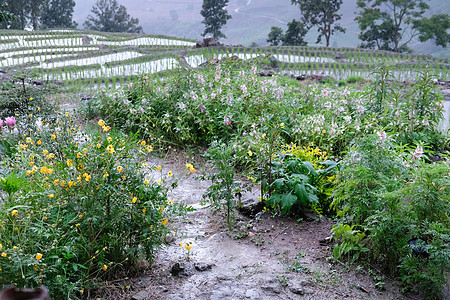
{"points": [[381, 134]]}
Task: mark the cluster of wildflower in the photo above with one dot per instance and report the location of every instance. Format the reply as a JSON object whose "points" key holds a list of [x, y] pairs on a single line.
{"points": [[190, 167], [9, 122]]}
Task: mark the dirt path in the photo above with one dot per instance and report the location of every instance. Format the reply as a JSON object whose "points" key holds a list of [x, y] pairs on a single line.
{"points": [[265, 258]]}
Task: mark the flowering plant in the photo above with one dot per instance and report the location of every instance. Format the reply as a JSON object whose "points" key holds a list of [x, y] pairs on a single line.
{"points": [[64, 224]]}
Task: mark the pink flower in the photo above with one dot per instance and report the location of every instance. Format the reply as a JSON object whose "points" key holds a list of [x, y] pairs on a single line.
{"points": [[10, 121], [1, 124], [417, 153], [381, 134]]}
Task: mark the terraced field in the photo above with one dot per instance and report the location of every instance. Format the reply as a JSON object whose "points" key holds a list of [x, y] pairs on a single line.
{"points": [[87, 59]]}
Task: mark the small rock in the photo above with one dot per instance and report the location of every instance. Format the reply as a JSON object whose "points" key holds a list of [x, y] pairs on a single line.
{"points": [[273, 288], [203, 266], [252, 294], [251, 207], [142, 295], [182, 269], [299, 287]]}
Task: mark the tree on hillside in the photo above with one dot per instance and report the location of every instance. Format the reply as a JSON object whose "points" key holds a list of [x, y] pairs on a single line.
{"points": [[109, 16], [19, 8], [5, 15], [36, 7], [58, 13], [323, 14], [388, 24], [215, 17], [295, 33], [437, 28], [275, 36]]}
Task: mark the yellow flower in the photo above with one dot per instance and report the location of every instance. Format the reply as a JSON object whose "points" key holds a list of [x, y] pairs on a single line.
{"points": [[69, 162], [161, 210], [4, 254], [181, 244], [67, 114], [134, 200], [99, 146], [31, 98], [101, 122], [39, 142], [53, 136], [158, 168], [170, 173], [78, 224], [85, 150], [15, 248], [44, 152], [188, 246], [149, 148], [14, 212], [170, 201], [324, 131], [38, 256], [143, 143], [88, 177], [119, 169], [62, 183], [164, 221], [106, 128], [159, 182], [28, 140], [79, 155], [105, 267], [144, 210], [39, 110], [282, 125], [250, 153], [106, 175], [146, 181], [80, 167], [51, 196], [109, 139], [110, 149]]}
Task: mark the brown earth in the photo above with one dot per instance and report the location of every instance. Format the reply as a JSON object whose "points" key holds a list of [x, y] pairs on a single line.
{"points": [[266, 257]]}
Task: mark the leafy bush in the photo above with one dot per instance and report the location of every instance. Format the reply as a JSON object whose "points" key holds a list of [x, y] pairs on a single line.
{"points": [[403, 205], [300, 178], [21, 96], [83, 210], [224, 187]]}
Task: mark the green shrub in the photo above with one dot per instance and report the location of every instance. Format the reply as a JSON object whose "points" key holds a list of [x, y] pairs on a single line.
{"points": [[82, 211], [403, 205], [296, 183]]}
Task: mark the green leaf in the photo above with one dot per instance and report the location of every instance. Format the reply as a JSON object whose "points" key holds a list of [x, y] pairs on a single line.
{"points": [[279, 183], [310, 168], [287, 200], [302, 194]]}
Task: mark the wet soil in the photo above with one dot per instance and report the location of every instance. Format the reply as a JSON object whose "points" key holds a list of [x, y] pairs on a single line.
{"points": [[265, 257]]}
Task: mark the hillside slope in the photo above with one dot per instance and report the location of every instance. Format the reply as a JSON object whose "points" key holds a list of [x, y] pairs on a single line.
{"points": [[251, 20]]}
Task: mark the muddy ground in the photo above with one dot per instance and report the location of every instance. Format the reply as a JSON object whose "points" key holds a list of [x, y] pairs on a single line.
{"points": [[265, 257]]}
